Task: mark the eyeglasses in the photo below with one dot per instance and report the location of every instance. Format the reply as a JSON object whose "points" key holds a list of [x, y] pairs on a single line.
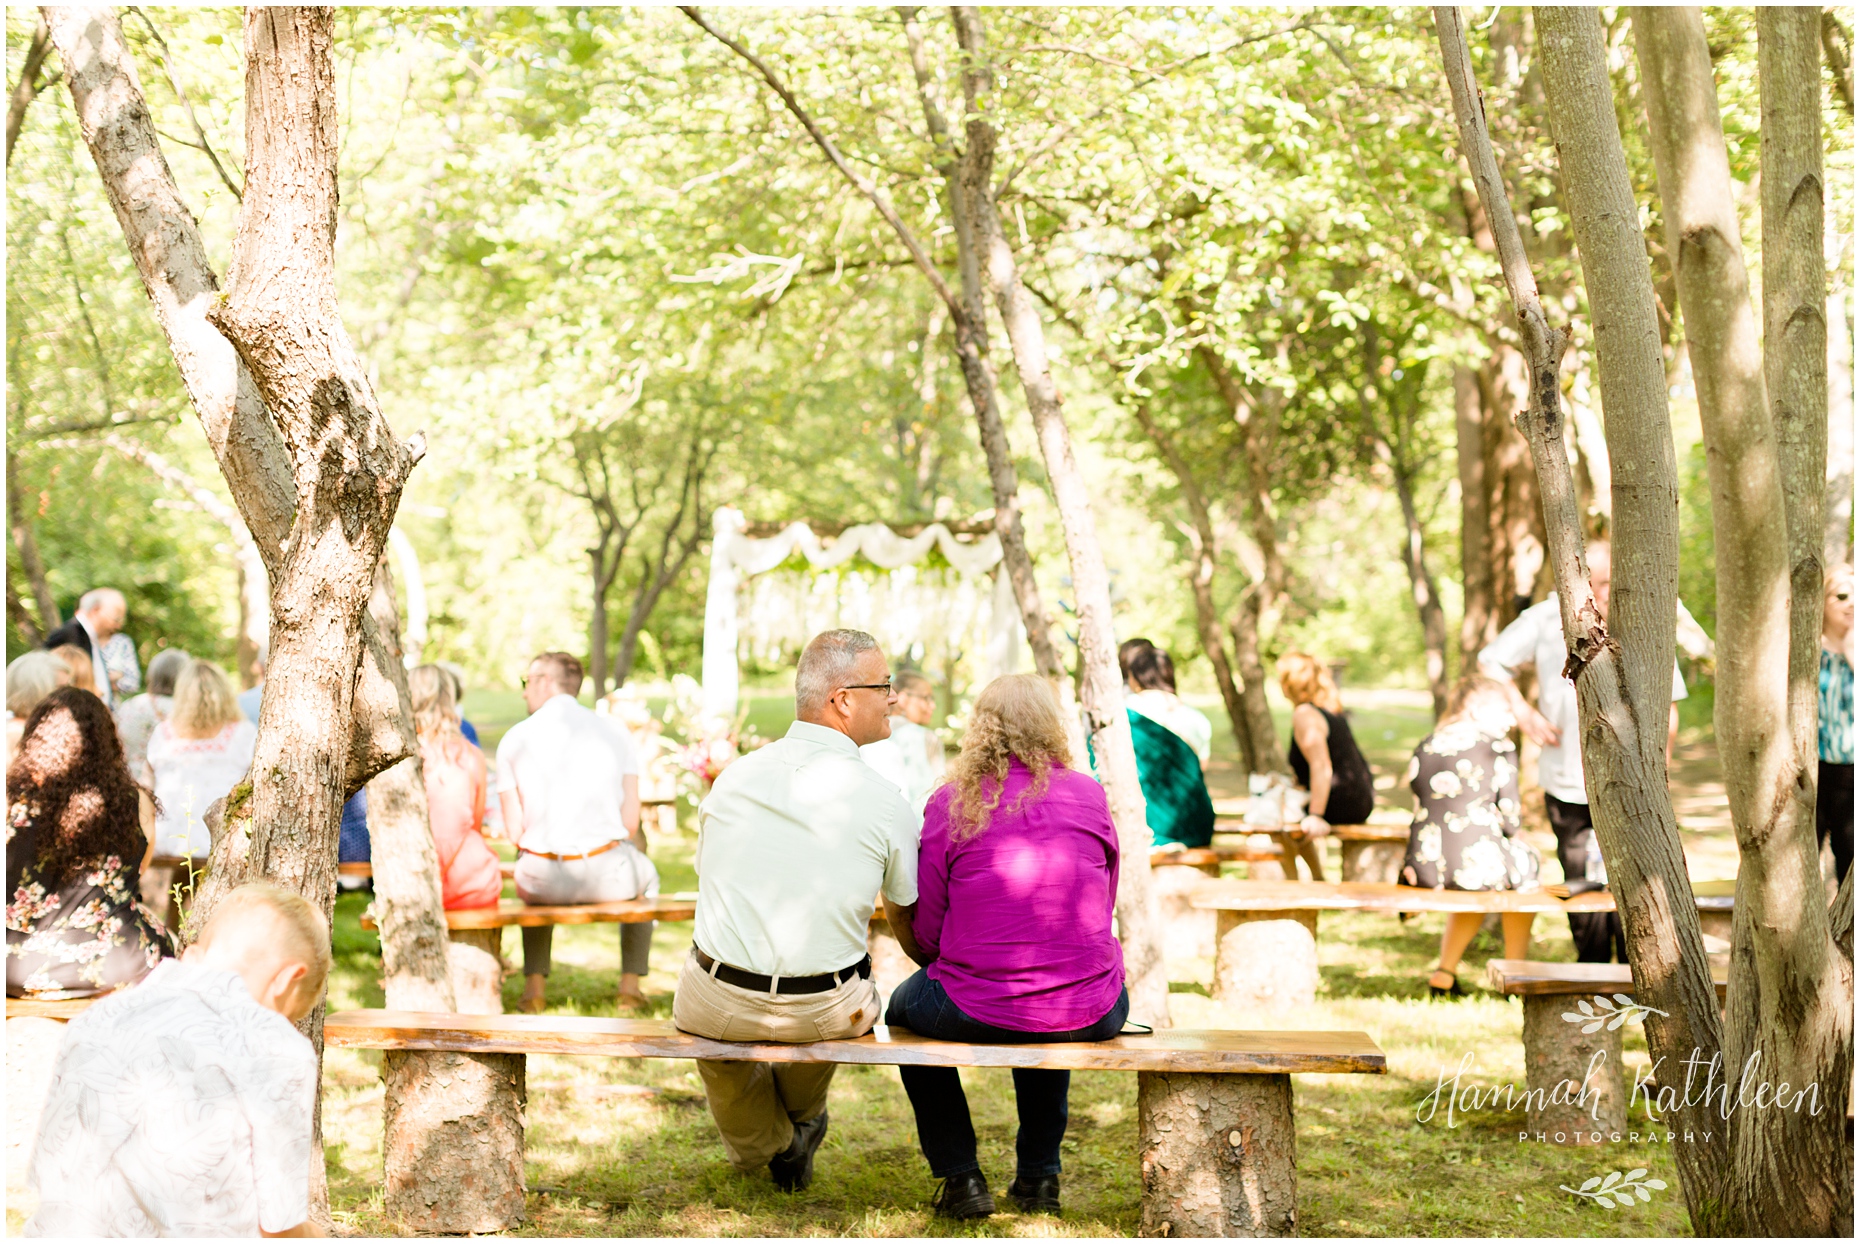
{"points": [[869, 686]]}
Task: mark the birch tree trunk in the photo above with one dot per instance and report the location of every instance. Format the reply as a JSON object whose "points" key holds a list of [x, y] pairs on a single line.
{"points": [[1200, 571], [1623, 678], [1259, 429], [1101, 684], [1476, 611]]}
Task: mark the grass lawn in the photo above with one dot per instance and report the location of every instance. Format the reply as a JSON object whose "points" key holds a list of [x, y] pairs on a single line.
{"points": [[626, 1147]]}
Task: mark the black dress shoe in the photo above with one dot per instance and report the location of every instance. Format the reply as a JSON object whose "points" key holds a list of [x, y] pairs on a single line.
{"points": [[1035, 1194], [794, 1169], [964, 1196]]}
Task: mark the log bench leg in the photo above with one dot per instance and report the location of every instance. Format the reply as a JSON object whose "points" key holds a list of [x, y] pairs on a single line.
{"points": [[1219, 1155], [1572, 1097], [452, 1148], [475, 959], [1188, 932], [1378, 863], [1266, 959]]}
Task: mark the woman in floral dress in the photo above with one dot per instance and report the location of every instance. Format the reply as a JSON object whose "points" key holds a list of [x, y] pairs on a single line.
{"points": [[74, 848], [1464, 836]]}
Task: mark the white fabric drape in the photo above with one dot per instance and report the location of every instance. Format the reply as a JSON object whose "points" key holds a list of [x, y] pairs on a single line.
{"points": [[736, 557]]}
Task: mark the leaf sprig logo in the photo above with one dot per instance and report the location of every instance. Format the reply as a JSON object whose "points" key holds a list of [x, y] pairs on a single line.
{"points": [[1612, 1014], [1617, 1188]]}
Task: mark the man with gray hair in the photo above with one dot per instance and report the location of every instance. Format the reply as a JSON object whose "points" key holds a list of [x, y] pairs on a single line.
{"points": [[794, 839], [97, 628]]}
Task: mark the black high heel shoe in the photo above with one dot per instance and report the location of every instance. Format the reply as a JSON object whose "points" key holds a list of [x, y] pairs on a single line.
{"points": [[1436, 991]]}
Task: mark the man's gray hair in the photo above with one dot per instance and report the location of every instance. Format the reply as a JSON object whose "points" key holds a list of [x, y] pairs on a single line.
{"points": [[827, 664], [97, 597]]}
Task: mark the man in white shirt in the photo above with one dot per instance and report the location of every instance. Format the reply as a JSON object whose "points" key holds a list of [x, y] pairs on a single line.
{"points": [[794, 839], [1536, 639], [182, 1106], [912, 758], [568, 784]]}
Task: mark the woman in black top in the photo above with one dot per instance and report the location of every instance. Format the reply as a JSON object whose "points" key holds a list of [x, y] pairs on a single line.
{"points": [[1325, 760]]}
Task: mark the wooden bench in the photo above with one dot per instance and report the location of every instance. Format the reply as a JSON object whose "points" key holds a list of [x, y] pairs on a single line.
{"points": [[1371, 852], [1214, 1108], [1575, 1089], [64, 1010], [1265, 949]]}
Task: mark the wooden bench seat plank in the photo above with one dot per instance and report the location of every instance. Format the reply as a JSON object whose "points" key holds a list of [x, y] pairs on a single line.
{"points": [[1171, 1050], [1531, 978], [510, 912], [61, 1009], [1365, 896]]}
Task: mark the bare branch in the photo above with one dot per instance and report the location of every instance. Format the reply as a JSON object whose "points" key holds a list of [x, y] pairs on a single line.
{"points": [[29, 86], [187, 106], [863, 184]]}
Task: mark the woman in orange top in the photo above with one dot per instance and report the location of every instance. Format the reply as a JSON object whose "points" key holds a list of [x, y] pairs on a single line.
{"points": [[455, 786]]}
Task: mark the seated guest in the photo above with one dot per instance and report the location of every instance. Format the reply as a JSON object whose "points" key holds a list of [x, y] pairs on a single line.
{"points": [[183, 1107], [352, 844], [253, 697], [1173, 743], [79, 669], [74, 847], [1834, 804], [95, 631], [1325, 761], [137, 718], [1016, 879], [1465, 832], [455, 783], [29, 679], [569, 785], [794, 839], [198, 755], [912, 758]]}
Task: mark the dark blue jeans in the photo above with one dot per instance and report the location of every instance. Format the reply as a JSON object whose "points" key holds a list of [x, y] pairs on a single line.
{"points": [[943, 1125]]}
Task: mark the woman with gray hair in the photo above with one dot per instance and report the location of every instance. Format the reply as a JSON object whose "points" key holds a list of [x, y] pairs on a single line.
{"points": [[136, 720], [29, 679]]}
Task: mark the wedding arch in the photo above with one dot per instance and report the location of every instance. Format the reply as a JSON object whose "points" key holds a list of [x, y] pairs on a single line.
{"points": [[737, 557]]}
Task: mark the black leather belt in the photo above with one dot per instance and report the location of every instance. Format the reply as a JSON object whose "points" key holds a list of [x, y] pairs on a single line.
{"points": [[759, 983]]}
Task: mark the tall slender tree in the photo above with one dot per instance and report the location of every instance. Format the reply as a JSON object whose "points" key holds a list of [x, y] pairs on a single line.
{"points": [[1790, 1006], [1622, 668]]}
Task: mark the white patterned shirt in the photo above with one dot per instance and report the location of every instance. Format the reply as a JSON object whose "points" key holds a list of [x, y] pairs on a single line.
{"points": [[178, 1107]]}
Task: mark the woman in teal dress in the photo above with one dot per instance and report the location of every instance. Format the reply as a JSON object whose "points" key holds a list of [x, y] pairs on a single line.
{"points": [[1172, 742]]}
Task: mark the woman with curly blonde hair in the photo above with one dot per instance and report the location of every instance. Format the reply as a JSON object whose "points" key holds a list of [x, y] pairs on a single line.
{"points": [[1016, 876], [1325, 761]]}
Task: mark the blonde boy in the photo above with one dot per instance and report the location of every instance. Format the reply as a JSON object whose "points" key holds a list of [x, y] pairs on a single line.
{"points": [[182, 1106]]}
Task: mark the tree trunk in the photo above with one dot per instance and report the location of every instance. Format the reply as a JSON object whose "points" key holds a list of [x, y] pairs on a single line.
{"points": [[280, 314], [1423, 586], [415, 971], [28, 87], [603, 578], [970, 331], [1101, 683], [164, 241], [1259, 428], [1623, 683], [1200, 573], [20, 523], [1478, 607]]}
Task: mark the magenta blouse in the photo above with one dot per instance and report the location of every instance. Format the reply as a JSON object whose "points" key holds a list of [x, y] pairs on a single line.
{"points": [[1018, 918]]}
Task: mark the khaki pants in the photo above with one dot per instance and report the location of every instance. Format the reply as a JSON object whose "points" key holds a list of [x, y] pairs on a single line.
{"points": [[756, 1105]]}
